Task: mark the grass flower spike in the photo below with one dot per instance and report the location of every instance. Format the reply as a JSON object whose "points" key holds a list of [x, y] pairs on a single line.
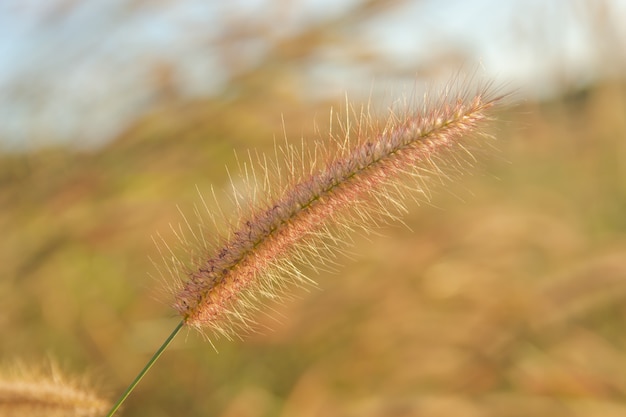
{"points": [[303, 206], [303, 209], [30, 392]]}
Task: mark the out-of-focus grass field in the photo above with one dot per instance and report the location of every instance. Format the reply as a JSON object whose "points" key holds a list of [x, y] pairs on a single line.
{"points": [[508, 301], [507, 298]]}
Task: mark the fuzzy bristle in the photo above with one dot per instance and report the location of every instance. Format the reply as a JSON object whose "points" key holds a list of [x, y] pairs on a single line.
{"points": [[302, 208], [31, 392]]}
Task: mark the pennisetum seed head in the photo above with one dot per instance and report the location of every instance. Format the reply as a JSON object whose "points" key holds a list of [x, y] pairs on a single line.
{"points": [[28, 391], [301, 206]]}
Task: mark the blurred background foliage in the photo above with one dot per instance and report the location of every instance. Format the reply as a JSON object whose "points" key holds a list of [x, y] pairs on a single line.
{"points": [[506, 299]]}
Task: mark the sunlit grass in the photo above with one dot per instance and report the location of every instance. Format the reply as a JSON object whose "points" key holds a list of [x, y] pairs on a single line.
{"points": [[506, 298]]}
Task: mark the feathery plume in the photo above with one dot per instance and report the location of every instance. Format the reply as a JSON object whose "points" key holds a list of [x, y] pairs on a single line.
{"points": [[34, 392], [303, 207]]}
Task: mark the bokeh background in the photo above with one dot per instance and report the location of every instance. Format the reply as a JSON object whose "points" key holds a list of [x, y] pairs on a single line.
{"points": [[507, 297]]}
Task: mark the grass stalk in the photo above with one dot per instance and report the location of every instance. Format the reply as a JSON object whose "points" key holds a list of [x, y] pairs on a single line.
{"points": [[145, 369]]}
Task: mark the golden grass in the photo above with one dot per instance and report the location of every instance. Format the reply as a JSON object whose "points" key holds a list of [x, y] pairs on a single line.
{"points": [[508, 303]]}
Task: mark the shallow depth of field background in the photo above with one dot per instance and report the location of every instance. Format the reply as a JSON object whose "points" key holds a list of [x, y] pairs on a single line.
{"points": [[507, 297]]}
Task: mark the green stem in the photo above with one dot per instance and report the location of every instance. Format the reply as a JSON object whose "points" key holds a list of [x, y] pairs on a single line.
{"points": [[145, 369]]}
